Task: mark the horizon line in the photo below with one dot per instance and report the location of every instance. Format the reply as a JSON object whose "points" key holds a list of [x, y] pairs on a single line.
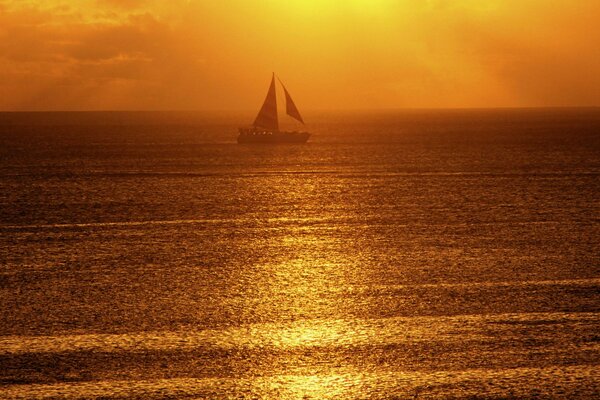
{"points": [[583, 107]]}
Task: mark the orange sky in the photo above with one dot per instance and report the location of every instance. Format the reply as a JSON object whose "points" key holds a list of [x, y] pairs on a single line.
{"points": [[209, 54]]}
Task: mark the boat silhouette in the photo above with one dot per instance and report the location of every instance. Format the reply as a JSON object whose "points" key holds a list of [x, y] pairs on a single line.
{"points": [[265, 128]]}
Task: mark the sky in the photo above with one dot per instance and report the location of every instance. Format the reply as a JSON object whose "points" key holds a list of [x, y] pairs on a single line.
{"points": [[332, 55]]}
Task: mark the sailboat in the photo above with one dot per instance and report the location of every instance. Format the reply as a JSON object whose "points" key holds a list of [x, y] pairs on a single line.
{"points": [[265, 128]]}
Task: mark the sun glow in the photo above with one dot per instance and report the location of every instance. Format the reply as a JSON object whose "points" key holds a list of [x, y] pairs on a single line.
{"points": [[331, 6], [135, 54]]}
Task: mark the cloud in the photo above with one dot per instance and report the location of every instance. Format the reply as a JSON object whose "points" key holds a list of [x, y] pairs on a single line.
{"points": [[68, 61], [126, 4], [141, 36], [543, 53]]}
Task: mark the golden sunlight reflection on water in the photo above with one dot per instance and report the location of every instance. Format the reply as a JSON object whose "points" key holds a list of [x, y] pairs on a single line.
{"points": [[298, 265], [476, 383], [328, 333], [431, 255]]}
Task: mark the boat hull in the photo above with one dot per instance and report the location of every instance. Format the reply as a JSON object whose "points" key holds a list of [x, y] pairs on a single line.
{"points": [[267, 137]]}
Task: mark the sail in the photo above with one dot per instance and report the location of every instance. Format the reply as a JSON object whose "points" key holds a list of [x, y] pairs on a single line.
{"points": [[290, 107], [267, 116]]}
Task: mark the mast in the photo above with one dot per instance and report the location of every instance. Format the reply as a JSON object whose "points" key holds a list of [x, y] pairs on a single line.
{"points": [[267, 116]]}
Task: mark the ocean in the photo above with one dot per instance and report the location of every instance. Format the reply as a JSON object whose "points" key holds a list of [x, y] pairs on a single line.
{"points": [[397, 254]]}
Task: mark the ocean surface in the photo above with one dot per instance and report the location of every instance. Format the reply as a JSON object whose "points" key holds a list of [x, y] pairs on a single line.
{"points": [[398, 254]]}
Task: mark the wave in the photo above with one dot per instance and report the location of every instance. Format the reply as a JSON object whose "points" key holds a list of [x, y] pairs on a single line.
{"points": [[343, 172], [545, 382], [301, 334]]}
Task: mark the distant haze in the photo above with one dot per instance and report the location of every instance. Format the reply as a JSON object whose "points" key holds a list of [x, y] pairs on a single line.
{"points": [[178, 54]]}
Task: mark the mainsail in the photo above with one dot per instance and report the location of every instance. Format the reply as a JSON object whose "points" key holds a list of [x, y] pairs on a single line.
{"points": [[267, 116], [290, 107]]}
